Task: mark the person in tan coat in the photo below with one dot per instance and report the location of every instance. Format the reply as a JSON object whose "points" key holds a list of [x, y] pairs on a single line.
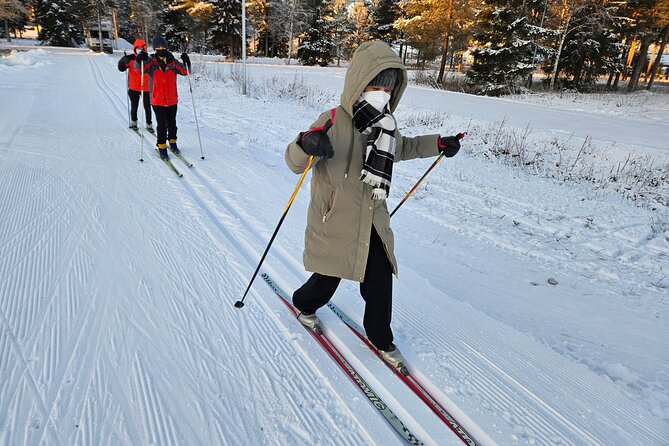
{"points": [[348, 233]]}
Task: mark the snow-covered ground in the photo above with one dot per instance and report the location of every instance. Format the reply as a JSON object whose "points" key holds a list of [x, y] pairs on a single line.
{"points": [[117, 279]]}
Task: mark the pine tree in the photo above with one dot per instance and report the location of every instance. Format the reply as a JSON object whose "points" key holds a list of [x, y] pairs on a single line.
{"points": [[318, 45], [176, 24], [344, 31], [226, 25], [383, 14], [127, 28], [505, 47], [59, 23], [592, 49], [13, 16], [360, 21]]}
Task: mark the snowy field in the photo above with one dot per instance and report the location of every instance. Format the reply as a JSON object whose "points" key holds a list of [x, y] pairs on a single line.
{"points": [[534, 268]]}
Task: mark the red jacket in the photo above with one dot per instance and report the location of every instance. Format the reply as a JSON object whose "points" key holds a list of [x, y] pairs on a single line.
{"points": [[163, 75], [128, 62]]}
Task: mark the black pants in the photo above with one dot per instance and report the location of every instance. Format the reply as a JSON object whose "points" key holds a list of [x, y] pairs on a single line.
{"points": [[166, 123], [134, 104], [376, 289]]}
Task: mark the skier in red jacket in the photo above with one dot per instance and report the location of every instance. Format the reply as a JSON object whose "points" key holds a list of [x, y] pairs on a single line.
{"points": [[135, 89], [162, 68]]}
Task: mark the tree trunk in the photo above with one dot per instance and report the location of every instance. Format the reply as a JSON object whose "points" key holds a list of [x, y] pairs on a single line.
{"points": [[115, 29], [102, 50], [444, 55], [658, 58], [291, 26], [559, 51], [638, 66], [9, 38]]}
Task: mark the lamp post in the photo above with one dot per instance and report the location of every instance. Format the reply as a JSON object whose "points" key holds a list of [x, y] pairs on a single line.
{"points": [[244, 47]]}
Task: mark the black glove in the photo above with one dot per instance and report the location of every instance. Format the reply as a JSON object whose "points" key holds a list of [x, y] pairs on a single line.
{"points": [[186, 60], [316, 142], [123, 63], [142, 57], [449, 145]]}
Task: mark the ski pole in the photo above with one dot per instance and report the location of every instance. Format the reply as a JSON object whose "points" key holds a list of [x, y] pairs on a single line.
{"points": [[240, 303], [197, 126], [459, 136], [127, 89], [141, 98]]}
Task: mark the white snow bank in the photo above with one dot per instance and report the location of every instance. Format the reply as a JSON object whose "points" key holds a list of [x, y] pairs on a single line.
{"points": [[124, 44], [641, 105], [35, 58]]}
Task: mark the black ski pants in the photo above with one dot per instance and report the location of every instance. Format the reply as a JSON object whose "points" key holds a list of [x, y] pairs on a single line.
{"points": [[376, 289], [166, 123], [134, 104]]}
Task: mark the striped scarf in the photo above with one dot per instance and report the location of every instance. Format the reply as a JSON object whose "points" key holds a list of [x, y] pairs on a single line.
{"points": [[377, 168]]}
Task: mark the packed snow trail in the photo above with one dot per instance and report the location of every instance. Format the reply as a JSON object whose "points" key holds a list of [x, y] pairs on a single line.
{"points": [[115, 325], [118, 281]]}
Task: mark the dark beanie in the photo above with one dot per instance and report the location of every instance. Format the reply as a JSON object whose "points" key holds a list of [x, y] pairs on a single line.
{"points": [[159, 42], [387, 78]]}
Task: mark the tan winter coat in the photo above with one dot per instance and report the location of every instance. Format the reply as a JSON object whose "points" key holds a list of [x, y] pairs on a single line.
{"points": [[341, 212]]}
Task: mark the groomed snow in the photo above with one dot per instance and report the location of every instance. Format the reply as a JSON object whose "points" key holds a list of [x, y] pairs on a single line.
{"points": [[118, 279]]}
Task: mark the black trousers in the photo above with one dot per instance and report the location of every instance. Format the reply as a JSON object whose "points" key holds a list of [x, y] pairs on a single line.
{"points": [[134, 104], [166, 123], [376, 289]]}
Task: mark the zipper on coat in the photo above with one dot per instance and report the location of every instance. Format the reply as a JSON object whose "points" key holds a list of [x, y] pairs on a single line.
{"points": [[331, 206], [350, 153]]}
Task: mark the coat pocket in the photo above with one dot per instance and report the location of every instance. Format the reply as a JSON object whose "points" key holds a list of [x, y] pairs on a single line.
{"points": [[330, 204]]}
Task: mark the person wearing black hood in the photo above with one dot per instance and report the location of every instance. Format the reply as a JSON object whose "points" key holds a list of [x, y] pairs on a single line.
{"points": [[162, 68]]}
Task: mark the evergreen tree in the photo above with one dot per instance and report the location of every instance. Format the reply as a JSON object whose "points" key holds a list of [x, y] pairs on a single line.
{"points": [[383, 14], [318, 45], [127, 28], [176, 24], [226, 25], [13, 17], [648, 18], [259, 17], [592, 49], [59, 22], [505, 47], [344, 31]]}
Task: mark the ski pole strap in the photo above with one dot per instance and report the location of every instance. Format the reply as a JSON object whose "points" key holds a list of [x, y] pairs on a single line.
{"points": [[321, 128]]}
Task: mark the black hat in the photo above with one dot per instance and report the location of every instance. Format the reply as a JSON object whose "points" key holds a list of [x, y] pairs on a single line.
{"points": [[159, 42], [387, 78]]}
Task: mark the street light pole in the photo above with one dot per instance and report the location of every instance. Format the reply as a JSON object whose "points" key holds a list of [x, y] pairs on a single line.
{"points": [[244, 47]]}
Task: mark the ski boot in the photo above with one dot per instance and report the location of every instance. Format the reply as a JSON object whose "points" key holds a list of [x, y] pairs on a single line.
{"points": [[311, 321], [394, 358], [133, 125], [162, 151], [173, 147], [149, 128]]}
